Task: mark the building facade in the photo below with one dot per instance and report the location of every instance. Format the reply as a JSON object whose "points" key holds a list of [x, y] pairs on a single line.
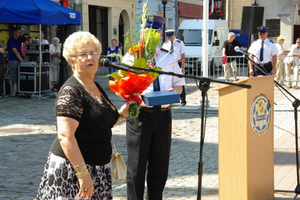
{"points": [[108, 19], [282, 18]]}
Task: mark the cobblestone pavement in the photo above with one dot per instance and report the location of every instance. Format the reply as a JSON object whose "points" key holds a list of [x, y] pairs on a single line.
{"points": [[27, 129]]}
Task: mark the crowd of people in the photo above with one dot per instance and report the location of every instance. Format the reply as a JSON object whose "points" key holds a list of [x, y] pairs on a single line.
{"points": [[78, 161], [266, 58], [16, 48]]}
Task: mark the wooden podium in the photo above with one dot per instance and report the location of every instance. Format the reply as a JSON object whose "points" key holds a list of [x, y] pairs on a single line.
{"points": [[246, 148]]}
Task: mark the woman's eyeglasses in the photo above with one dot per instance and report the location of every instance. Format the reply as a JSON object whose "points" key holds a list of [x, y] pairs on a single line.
{"points": [[83, 56]]}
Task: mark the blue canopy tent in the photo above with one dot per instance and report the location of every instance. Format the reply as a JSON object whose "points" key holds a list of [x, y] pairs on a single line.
{"points": [[37, 12], [43, 12]]}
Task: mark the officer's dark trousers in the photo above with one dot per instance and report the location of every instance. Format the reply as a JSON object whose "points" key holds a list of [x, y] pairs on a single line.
{"points": [[148, 146], [182, 95]]}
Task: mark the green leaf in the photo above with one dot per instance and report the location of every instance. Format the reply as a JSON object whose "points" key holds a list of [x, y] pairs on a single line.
{"points": [[154, 74], [141, 62]]}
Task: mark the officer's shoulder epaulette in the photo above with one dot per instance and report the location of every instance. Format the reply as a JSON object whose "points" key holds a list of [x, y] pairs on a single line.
{"points": [[165, 50], [271, 41], [179, 41]]}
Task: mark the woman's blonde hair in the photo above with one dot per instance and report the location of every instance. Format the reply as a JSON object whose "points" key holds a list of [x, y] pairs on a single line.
{"points": [[76, 41]]}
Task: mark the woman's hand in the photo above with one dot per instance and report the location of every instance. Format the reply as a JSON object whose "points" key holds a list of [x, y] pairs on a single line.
{"points": [[125, 108], [86, 186]]}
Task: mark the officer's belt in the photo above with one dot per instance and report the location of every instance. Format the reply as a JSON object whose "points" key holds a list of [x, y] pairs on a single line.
{"points": [[264, 64], [150, 110]]}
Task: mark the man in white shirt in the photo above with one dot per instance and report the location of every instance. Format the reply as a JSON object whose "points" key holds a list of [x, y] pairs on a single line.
{"points": [[295, 52], [43, 41], [280, 60], [265, 54]]}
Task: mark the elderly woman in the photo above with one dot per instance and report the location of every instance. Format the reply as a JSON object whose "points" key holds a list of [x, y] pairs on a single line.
{"points": [[54, 60], [78, 161]]}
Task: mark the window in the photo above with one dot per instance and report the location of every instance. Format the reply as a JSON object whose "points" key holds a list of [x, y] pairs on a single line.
{"points": [[193, 37], [274, 27]]}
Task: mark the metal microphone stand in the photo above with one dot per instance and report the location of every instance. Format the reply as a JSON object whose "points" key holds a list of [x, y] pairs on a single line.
{"points": [[204, 87], [295, 104]]}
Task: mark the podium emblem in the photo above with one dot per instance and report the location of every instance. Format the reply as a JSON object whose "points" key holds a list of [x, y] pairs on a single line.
{"points": [[260, 114]]}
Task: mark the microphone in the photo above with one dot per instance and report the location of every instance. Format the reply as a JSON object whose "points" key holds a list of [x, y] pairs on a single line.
{"points": [[238, 49], [107, 63]]}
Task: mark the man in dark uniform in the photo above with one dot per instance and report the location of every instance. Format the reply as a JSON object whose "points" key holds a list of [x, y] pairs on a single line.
{"points": [[148, 136], [264, 54]]}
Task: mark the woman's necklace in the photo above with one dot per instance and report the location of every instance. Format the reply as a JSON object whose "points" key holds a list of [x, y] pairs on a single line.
{"points": [[94, 94], [90, 86]]}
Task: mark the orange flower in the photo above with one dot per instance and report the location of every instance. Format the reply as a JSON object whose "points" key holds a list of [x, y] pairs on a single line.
{"points": [[131, 86]]}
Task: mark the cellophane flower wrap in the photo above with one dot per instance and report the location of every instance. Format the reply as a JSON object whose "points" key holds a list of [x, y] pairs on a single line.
{"points": [[130, 85]]}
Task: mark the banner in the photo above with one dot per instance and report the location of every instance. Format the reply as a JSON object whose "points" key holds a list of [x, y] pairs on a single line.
{"points": [[65, 2], [212, 7]]}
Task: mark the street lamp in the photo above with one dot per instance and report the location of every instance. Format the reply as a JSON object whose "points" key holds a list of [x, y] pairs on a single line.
{"points": [[63, 65], [255, 4], [164, 2]]}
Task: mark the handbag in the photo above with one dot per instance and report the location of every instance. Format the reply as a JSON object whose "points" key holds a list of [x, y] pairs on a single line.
{"points": [[117, 164]]}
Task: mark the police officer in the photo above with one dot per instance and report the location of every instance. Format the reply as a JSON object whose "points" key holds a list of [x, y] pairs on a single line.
{"points": [[264, 54], [177, 48], [148, 136]]}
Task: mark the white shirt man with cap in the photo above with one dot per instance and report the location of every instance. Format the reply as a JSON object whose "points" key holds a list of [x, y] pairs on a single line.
{"points": [[265, 54], [177, 48]]}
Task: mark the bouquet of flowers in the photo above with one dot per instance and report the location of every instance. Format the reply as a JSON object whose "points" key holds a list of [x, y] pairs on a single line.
{"points": [[131, 85]]}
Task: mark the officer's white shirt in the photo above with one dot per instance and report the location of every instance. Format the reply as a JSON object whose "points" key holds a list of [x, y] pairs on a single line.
{"points": [[270, 50], [162, 59], [178, 48], [44, 41]]}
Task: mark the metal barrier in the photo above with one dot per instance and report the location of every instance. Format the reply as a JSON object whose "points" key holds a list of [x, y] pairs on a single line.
{"points": [[215, 66], [291, 70]]}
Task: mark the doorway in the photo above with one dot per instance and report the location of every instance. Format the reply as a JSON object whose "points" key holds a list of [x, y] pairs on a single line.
{"points": [[98, 25]]}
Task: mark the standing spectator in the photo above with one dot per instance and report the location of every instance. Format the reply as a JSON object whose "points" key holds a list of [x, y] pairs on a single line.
{"points": [[280, 60], [148, 136], [228, 50], [14, 58], [54, 61], [265, 52], [78, 162], [2, 62], [23, 46], [43, 41], [113, 49], [295, 52], [176, 47]]}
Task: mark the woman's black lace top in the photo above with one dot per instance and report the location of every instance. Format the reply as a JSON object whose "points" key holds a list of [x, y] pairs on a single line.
{"points": [[95, 122]]}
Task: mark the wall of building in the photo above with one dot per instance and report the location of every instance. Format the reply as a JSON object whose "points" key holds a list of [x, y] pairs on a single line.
{"points": [[115, 8], [275, 9], [234, 12], [189, 11], [155, 7]]}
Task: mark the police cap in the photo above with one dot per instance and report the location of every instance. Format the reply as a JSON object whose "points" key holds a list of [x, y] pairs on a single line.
{"points": [[170, 32], [155, 21], [262, 29]]}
